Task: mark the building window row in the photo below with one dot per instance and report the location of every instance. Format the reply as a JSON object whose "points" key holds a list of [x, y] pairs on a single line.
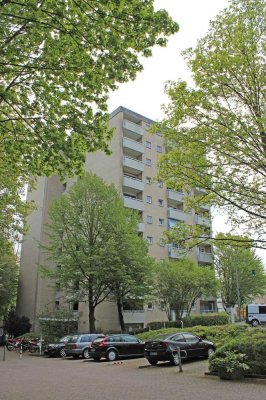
{"points": [[149, 220], [159, 149], [149, 201]]}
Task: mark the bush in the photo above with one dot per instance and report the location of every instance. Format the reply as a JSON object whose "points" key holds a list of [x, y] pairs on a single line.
{"points": [[250, 342], [206, 320], [16, 326]]}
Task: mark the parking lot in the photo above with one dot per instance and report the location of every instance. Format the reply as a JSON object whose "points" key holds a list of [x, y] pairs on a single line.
{"points": [[40, 378]]}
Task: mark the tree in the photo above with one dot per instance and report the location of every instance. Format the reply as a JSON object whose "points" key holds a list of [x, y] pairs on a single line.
{"points": [[16, 326], [240, 271], [180, 283], [131, 267], [59, 59], [89, 226], [215, 131], [8, 282]]}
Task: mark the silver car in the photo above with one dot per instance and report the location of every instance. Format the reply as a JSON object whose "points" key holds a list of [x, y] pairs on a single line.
{"points": [[80, 345]]}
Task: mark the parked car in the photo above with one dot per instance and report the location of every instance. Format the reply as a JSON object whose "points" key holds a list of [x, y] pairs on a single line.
{"points": [[79, 345], [161, 348], [117, 346], [57, 349]]}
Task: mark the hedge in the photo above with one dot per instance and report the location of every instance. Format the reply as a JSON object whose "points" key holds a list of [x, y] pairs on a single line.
{"points": [[193, 320], [252, 343]]}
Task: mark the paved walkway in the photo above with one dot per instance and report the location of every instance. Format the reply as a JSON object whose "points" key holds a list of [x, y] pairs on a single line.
{"points": [[39, 378]]}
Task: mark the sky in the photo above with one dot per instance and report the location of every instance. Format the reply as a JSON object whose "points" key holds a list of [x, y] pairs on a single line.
{"points": [[145, 95]]}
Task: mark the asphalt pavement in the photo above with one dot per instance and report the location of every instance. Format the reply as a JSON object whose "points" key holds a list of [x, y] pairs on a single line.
{"points": [[34, 377]]}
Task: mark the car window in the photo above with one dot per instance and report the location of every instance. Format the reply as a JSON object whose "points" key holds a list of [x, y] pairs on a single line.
{"points": [[114, 339], [85, 338], [178, 338], [73, 339], [130, 339], [93, 337], [191, 338]]}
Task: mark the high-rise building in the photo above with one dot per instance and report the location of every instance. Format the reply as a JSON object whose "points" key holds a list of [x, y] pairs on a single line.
{"points": [[132, 168]]}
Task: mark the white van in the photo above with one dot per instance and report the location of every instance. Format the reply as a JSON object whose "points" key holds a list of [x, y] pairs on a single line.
{"points": [[256, 314]]}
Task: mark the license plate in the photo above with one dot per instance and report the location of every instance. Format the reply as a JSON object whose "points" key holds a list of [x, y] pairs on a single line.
{"points": [[153, 353]]}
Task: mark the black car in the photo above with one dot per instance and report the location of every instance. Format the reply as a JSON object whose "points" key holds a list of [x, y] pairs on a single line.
{"points": [[117, 346], [57, 349], [162, 348]]}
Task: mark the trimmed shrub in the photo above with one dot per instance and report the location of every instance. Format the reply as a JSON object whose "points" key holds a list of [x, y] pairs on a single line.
{"points": [[206, 319]]}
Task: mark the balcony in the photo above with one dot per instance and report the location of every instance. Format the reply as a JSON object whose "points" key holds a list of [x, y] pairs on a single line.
{"points": [[202, 220], [135, 185], [133, 165], [135, 204], [132, 130], [133, 316], [175, 196], [179, 215], [133, 147], [206, 258], [174, 252]]}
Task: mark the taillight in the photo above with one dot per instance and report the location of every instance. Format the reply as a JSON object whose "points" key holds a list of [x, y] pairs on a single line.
{"points": [[103, 343]]}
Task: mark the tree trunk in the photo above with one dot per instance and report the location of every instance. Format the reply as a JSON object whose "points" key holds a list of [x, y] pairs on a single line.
{"points": [[120, 315], [91, 317]]}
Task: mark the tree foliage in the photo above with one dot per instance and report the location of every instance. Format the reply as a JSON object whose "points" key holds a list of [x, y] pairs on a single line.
{"points": [[215, 131], [180, 283], [94, 244], [16, 326], [240, 271], [59, 59], [8, 282]]}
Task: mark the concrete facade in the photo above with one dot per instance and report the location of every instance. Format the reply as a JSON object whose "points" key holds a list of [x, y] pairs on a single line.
{"points": [[132, 168]]}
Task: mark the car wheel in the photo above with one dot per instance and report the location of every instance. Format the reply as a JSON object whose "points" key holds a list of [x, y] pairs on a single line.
{"points": [[153, 362], [112, 355], [175, 359], [62, 352], [86, 354], [254, 322]]}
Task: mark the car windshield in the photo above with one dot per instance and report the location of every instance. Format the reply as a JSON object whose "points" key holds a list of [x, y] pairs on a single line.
{"points": [[64, 339]]}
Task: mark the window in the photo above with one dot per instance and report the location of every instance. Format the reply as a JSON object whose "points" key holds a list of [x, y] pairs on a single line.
{"points": [[162, 306], [148, 162], [150, 306], [64, 186], [150, 240], [149, 219], [76, 306], [148, 180], [160, 184], [159, 149], [148, 144], [57, 304], [161, 221], [160, 202], [149, 199]]}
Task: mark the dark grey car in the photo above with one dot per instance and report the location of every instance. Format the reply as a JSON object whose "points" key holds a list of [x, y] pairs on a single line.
{"points": [[79, 345]]}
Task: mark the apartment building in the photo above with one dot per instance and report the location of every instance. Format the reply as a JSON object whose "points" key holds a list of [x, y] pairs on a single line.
{"points": [[132, 168]]}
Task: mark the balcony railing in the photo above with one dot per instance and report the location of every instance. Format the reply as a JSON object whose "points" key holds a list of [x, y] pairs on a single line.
{"points": [[132, 129], [174, 252], [135, 204], [179, 215], [133, 145], [133, 183], [133, 165], [175, 196], [205, 257], [202, 221], [133, 316]]}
